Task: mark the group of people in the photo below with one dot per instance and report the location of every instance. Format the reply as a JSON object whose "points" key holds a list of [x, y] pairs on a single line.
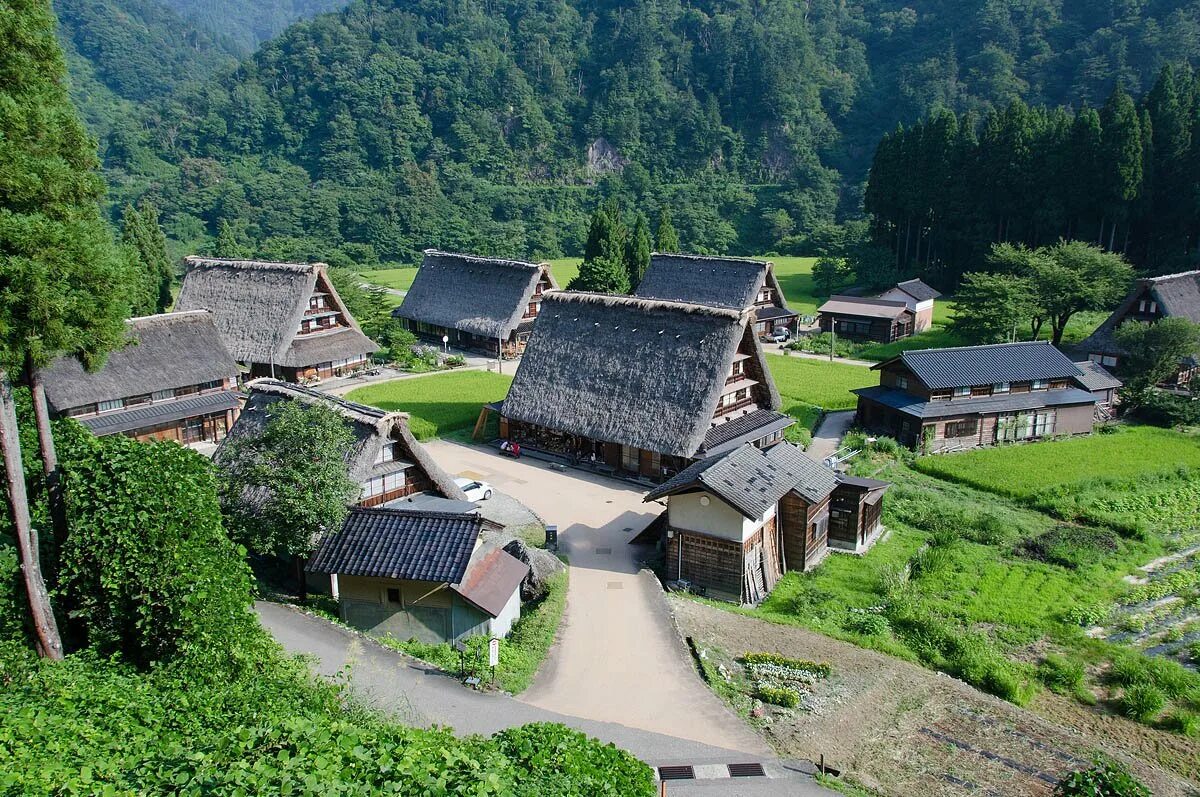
{"points": [[513, 449]]}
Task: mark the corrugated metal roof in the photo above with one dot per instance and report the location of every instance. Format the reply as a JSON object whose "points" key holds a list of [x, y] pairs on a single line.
{"points": [[492, 580], [1012, 402], [386, 543], [863, 308], [1094, 376], [940, 369], [146, 415]]}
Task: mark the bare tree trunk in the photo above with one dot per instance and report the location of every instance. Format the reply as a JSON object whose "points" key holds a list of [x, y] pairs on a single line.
{"points": [[45, 627], [41, 414], [1112, 236], [301, 581]]}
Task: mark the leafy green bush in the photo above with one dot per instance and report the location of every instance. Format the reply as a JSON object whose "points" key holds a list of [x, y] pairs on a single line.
{"points": [[1060, 674], [559, 760], [866, 623], [1142, 702], [929, 561], [1183, 721], [1132, 668], [1087, 614], [1071, 546], [777, 696], [1106, 778]]}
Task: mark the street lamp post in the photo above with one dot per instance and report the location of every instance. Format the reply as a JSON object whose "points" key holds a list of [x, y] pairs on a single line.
{"points": [[446, 343]]}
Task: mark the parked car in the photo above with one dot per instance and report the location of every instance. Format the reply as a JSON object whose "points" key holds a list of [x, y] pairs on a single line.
{"points": [[476, 491], [780, 335]]}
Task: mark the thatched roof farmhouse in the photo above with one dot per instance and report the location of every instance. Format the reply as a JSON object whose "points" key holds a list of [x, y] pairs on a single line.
{"points": [[1170, 296], [640, 385], [386, 459], [281, 320], [476, 302], [174, 380], [732, 282]]}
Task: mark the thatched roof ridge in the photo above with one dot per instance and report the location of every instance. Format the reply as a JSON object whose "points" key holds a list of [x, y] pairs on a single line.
{"points": [[640, 372], [257, 307], [719, 281], [372, 428], [163, 352], [484, 296], [1178, 296]]}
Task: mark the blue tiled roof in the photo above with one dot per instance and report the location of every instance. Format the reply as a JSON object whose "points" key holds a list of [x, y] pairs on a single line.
{"points": [[1011, 402], [386, 543], [143, 416], [985, 365]]}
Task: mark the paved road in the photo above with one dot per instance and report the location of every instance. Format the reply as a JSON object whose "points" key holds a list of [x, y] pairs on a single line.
{"points": [[420, 695], [829, 434], [618, 657]]}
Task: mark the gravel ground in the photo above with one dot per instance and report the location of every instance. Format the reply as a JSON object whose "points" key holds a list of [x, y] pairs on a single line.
{"points": [[504, 509], [904, 730]]}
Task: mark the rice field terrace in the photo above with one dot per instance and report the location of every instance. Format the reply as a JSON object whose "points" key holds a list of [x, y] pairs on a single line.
{"points": [[820, 383], [1084, 581], [439, 403]]}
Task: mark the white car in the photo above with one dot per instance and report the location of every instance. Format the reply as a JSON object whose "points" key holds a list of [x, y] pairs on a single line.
{"points": [[476, 491]]}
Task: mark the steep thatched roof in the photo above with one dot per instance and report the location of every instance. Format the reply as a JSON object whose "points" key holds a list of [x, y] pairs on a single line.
{"points": [[481, 295], [635, 371], [732, 282], [163, 352], [258, 305], [1178, 296], [372, 428]]}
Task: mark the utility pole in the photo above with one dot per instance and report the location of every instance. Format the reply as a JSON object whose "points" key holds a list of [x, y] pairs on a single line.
{"points": [[832, 337]]}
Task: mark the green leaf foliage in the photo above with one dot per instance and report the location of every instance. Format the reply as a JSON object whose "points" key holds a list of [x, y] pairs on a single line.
{"points": [[283, 487], [1106, 779]]}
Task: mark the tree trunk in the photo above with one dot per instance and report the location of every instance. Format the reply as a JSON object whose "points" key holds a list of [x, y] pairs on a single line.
{"points": [[41, 414], [1058, 326], [1112, 236], [301, 581], [1035, 325], [44, 625]]}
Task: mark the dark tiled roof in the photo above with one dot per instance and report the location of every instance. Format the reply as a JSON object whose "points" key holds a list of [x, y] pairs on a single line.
{"points": [[860, 481], [985, 365], [492, 580], [384, 543], [147, 415], [1095, 377], [1012, 402], [751, 480], [863, 308], [771, 313], [752, 426], [918, 290]]}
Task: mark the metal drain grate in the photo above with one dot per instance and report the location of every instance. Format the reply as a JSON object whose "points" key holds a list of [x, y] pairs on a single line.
{"points": [[746, 771], [676, 773]]}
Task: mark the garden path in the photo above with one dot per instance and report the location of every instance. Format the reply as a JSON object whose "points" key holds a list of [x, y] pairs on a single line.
{"points": [[829, 434]]}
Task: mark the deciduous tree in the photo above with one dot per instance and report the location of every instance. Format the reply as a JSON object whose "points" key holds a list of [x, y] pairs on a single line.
{"points": [[1152, 353], [991, 308]]}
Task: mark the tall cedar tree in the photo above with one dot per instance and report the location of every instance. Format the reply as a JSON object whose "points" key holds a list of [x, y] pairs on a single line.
{"points": [[285, 487], [63, 284], [637, 252], [666, 239], [604, 268], [146, 249]]}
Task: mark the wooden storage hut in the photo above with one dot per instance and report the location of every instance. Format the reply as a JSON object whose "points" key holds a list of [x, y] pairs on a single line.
{"points": [[641, 387], [280, 320], [483, 303], [173, 380], [860, 318]]}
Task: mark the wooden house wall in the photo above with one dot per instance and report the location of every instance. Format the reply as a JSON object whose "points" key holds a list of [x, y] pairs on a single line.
{"points": [[708, 561], [881, 330], [803, 546]]}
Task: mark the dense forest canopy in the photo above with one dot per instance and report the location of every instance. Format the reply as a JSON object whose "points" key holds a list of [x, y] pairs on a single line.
{"points": [[497, 127], [249, 23]]}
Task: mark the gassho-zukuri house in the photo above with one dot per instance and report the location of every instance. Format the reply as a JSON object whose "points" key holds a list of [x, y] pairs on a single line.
{"points": [[735, 523], [280, 320], [640, 387], [483, 303], [420, 575], [174, 380], [951, 399], [731, 282], [1152, 299], [386, 460]]}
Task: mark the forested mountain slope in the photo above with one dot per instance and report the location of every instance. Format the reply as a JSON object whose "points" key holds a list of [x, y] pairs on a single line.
{"points": [[249, 23], [393, 126]]}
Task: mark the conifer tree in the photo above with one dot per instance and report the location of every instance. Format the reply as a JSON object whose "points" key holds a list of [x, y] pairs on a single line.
{"points": [[604, 268], [227, 244], [666, 239], [63, 283], [637, 252], [146, 247]]}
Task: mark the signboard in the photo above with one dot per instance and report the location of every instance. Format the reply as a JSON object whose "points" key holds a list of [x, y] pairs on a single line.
{"points": [[493, 652]]}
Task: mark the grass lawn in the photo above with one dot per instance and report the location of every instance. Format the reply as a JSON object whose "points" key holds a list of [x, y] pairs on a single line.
{"points": [[1023, 470], [564, 269], [820, 383], [438, 404], [400, 279]]}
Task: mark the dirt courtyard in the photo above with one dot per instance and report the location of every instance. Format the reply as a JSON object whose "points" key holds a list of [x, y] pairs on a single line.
{"points": [[904, 730]]}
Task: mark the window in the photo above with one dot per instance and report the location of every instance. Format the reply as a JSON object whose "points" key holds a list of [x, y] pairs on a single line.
{"points": [[393, 594], [86, 409], [739, 368], [962, 391], [939, 395], [1107, 360], [162, 395], [386, 454], [964, 428], [133, 401], [115, 404], [902, 382], [1148, 306], [1001, 387], [531, 310], [765, 296], [1040, 384], [213, 385]]}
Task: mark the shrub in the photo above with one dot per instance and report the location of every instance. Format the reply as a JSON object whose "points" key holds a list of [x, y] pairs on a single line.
{"points": [[1183, 721], [555, 759], [1060, 674], [819, 669], [454, 361], [866, 623], [1106, 778], [1142, 702], [1170, 677], [989, 529], [1071, 546], [798, 435], [1087, 614], [777, 696], [929, 561]]}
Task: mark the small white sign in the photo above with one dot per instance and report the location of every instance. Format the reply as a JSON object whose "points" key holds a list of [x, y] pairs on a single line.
{"points": [[494, 652]]}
